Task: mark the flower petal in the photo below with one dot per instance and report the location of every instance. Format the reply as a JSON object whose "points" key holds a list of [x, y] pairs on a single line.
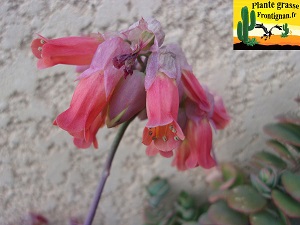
{"points": [[201, 142], [162, 101], [151, 150], [220, 116], [87, 102], [194, 91]]}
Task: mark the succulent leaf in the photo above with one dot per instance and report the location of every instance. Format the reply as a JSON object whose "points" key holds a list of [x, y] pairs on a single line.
{"points": [[204, 219], [270, 159], [218, 195], [220, 214], [269, 176], [285, 132], [245, 199], [287, 204], [260, 186], [157, 189], [185, 200], [289, 118], [231, 175], [282, 150], [284, 218], [291, 183], [264, 218]]}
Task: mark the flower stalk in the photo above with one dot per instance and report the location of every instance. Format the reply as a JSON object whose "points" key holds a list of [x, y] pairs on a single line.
{"points": [[93, 208]]}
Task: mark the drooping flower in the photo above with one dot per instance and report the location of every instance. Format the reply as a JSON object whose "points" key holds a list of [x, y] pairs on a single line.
{"points": [[96, 84], [202, 113], [66, 50], [195, 150], [162, 102]]}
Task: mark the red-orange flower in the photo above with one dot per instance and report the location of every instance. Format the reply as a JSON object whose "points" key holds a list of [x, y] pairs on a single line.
{"points": [[66, 50], [162, 103]]}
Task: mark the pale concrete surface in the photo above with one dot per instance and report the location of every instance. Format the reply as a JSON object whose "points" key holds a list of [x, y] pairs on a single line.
{"points": [[41, 170]]}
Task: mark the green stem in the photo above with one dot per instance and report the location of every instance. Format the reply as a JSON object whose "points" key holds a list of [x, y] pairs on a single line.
{"points": [[105, 173]]}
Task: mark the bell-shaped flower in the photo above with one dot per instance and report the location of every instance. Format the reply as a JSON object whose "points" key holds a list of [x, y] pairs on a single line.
{"points": [[92, 93], [88, 101], [162, 102], [128, 99], [203, 111], [195, 150], [66, 50]]}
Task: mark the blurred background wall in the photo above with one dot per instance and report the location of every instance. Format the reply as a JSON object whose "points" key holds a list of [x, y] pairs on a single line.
{"points": [[41, 170]]}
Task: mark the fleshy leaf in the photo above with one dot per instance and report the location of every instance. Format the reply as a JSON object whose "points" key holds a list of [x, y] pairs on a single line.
{"points": [[204, 219], [281, 150], [287, 204], [218, 195], [185, 200], [260, 186], [289, 118], [231, 175], [270, 159], [245, 199], [284, 218], [285, 132], [264, 218], [291, 183], [220, 214]]}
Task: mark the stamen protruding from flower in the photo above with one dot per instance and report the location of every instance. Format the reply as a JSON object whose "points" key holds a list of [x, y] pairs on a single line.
{"points": [[127, 60], [164, 138], [176, 138]]}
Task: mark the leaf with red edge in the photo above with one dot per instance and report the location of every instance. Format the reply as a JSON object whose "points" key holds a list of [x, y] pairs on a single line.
{"points": [[269, 159], [282, 150], [287, 204], [245, 199], [288, 118], [291, 183], [264, 218], [286, 132], [220, 214]]}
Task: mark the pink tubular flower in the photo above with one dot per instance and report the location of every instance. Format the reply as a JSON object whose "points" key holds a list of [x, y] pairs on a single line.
{"points": [[66, 50], [88, 101], [202, 112], [195, 149], [92, 94], [162, 103]]}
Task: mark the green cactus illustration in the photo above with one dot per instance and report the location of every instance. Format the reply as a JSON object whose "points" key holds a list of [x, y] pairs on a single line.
{"points": [[243, 27], [286, 30]]}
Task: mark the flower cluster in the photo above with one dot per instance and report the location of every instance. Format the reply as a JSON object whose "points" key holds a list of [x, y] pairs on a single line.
{"points": [[129, 73]]}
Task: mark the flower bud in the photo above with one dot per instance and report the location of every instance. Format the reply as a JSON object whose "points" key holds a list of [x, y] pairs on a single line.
{"points": [[128, 99]]}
